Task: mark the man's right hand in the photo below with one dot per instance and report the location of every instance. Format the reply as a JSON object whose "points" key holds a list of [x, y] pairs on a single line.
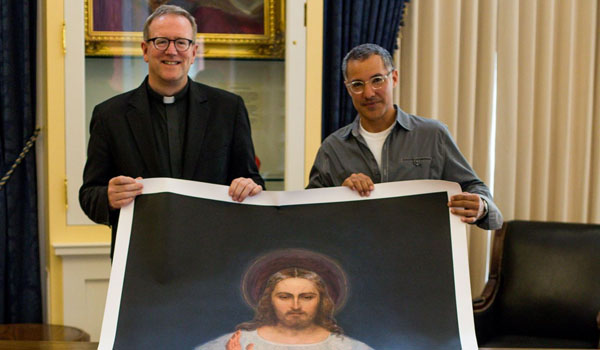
{"points": [[122, 190], [234, 342], [360, 183]]}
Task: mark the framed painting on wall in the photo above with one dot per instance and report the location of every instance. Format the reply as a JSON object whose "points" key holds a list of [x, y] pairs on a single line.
{"points": [[226, 28]]}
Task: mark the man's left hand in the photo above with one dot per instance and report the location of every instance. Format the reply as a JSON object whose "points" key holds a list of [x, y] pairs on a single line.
{"points": [[243, 187], [469, 206]]}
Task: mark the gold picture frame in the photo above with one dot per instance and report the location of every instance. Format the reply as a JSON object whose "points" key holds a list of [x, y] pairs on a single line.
{"points": [[108, 33]]}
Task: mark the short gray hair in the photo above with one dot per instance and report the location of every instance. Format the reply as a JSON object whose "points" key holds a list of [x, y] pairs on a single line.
{"points": [[364, 51], [163, 10]]}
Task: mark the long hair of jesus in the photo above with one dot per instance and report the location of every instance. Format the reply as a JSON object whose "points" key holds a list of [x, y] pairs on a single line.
{"points": [[265, 313]]}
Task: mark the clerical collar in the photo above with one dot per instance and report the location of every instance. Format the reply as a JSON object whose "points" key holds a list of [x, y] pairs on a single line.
{"points": [[169, 99]]}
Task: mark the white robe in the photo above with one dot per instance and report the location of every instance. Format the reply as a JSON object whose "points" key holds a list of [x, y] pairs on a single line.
{"points": [[333, 342]]}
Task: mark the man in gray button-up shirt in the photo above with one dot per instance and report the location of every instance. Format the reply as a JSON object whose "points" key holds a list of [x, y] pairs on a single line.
{"points": [[386, 144]]}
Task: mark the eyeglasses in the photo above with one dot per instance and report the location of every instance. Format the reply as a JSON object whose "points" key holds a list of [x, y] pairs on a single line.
{"points": [[162, 44], [377, 82]]}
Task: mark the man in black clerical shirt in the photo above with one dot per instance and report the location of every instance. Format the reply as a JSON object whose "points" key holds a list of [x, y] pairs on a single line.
{"points": [[170, 126], [168, 122]]}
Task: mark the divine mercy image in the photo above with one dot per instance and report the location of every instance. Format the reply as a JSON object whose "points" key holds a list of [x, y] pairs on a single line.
{"points": [[295, 294], [285, 271]]}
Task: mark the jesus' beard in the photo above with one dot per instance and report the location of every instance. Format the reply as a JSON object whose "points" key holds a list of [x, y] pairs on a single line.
{"points": [[297, 321]]}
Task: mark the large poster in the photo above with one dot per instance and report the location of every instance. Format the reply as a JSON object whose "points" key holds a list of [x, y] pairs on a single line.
{"points": [[314, 269]]}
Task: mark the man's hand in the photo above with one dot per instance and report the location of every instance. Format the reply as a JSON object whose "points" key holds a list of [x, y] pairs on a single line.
{"points": [[243, 187], [360, 183], [234, 342], [122, 190], [469, 206]]}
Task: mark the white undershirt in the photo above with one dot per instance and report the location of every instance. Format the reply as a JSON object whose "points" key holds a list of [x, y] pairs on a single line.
{"points": [[375, 141]]}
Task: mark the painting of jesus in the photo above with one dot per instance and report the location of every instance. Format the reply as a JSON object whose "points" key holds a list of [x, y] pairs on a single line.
{"points": [[294, 305]]}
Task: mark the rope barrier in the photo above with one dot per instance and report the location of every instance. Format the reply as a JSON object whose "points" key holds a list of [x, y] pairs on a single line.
{"points": [[19, 159]]}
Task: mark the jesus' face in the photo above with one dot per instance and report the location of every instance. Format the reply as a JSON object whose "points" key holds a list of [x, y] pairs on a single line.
{"points": [[296, 302]]}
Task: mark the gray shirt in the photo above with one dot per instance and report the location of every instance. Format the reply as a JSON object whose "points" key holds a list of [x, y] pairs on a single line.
{"points": [[416, 149]]}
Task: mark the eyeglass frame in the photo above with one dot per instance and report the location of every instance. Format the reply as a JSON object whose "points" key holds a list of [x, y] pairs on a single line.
{"points": [[385, 78], [174, 41]]}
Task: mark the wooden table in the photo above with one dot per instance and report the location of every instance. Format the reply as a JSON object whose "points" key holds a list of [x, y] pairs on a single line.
{"points": [[63, 345], [42, 332], [46, 345]]}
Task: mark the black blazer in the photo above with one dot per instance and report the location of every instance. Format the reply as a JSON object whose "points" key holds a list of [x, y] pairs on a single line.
{"points": [[217, 148]]}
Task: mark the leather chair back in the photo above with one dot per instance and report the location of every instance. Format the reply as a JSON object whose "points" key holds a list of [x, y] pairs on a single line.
{"points": [[547, 283]]}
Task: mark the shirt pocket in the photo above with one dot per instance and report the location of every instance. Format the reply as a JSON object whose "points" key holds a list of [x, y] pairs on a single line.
{"points": [[413, 168]]}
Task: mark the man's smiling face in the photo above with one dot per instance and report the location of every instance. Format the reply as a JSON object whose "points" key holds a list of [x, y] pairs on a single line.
{"points": [[169, 68], [375, 106]]}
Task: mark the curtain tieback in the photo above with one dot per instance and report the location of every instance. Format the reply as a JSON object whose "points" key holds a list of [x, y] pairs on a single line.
{"points": [[19, 159]]}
